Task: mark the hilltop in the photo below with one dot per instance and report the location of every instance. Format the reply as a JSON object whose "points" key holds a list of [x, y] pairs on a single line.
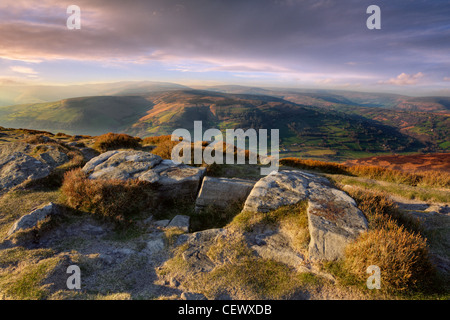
{"points": [[141, 227]]}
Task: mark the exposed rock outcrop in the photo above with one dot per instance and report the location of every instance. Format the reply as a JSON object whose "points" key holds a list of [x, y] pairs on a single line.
{"points": [[334, 219], [17, 167], [170, 180]]}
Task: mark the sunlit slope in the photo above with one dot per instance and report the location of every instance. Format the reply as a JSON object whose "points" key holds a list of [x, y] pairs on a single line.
{"points": [[87, 115]]}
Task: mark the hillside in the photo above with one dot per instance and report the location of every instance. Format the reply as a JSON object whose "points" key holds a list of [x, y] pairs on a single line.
{"points": [[87, 115], [321, 125], [409, 163], [302, 128]]}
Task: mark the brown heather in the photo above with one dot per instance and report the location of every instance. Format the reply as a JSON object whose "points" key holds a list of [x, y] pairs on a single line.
{"points": [[111, 141], [394, 243], [114, 200], [427, 178], [402, 257]]}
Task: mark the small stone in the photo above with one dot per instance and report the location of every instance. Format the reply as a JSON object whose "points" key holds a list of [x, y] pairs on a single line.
{"points": [[162, 223], [155, 245], [180, 222], [192, 296]]}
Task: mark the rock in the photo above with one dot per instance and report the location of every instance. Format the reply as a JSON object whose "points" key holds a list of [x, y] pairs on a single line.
{"points": [[438, 209], [175, 180], [30, 220], [222, 192], [281, 188], [333, 217], [155, 245], [192, 296], [120, 165], [180, 222], [196, 253], [170, 180], [92, 230], [53, 157], [162, 223], [17, 167], [276, 246]]}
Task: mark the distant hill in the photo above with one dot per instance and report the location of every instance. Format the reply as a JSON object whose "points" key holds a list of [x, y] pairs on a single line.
{"points": [[327, 125], [87, 115], [338, 98], [26, 94]]}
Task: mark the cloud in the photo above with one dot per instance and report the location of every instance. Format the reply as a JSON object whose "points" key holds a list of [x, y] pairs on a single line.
{"points": [[446, 78], [276, 36], [404, 79], [24, 70]]}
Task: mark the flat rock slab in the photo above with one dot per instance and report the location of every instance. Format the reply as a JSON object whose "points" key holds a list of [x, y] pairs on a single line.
{"points": [[171, 180], [222, 192], [333, 217]]}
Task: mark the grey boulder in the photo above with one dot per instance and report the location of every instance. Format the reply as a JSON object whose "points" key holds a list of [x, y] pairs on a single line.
{"points": [[333, 217], [171, 180]]}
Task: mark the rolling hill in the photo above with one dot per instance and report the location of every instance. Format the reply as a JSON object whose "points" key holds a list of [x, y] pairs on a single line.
{"points": [[327, 125], [88, 115]]}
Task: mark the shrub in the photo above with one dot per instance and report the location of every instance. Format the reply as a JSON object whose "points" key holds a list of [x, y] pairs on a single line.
{"points": [[115, 200], [111, 141], [156, 140], [164, 149], [382, 212], [402, 257], [394, 243]]}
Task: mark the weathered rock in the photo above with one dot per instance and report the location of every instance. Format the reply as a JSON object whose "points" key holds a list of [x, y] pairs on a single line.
{"points": [[175, 180], [180, 222], [170, 180], [120, 165], [17, 167], [333, 217], [275, 245], [53, 157], [281, 188], [222, 192], [155, 245], [162, 223], [199, 243], [30, 220]]}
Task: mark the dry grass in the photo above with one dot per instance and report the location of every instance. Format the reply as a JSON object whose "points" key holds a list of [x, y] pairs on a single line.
{"points": [[402, 257], [23, 271], [112, 199], [427, 178], [28, 200]]}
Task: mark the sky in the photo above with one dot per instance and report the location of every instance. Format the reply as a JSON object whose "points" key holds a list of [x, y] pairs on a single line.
{"points": [[270, 43]]}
